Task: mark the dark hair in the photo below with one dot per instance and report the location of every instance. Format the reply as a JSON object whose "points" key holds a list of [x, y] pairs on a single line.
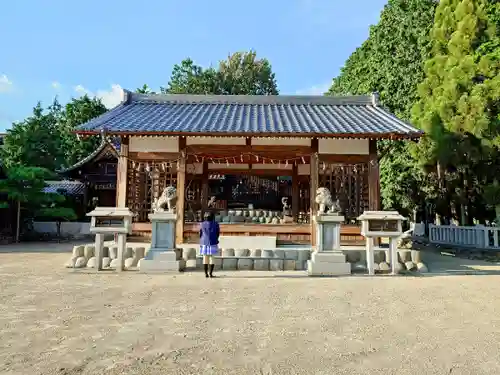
{"points": [[208, 216]]}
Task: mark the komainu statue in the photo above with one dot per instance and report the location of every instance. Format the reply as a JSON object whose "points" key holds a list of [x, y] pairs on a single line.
{"points": [[167, 199], [326, 203]]}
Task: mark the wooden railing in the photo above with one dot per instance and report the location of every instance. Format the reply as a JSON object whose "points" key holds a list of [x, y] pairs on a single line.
{"points": [[479, 236]]}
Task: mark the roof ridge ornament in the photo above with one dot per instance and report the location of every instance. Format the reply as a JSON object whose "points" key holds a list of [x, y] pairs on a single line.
{"points": [[375, 98]]}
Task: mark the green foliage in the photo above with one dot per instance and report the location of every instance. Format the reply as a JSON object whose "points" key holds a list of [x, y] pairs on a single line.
{"points": [[241, 74], [77, 112], [390, 62], [145, 89], [462, 82], [46, 139], [26, 184], [32, 141]]}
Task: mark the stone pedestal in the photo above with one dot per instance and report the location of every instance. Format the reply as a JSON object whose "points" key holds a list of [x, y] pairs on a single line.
{"points": [[328, 231], [328, 263], [163, 256], [166, 261]]}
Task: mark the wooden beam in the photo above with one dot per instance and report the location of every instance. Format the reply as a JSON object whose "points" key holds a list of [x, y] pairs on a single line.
{"points": [[314, 186], [336, 158], [295, 192], [181, 192], [121, 174], [204, 189], [139, 155], [373, 178]]}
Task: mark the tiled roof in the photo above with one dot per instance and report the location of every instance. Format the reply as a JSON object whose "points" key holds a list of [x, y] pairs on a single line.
{"points": [[104, 146], [347, 116], [71, 187]]}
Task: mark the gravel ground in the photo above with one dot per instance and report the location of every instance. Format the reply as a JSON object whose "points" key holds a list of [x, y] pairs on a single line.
{"points": [[58, 321]]}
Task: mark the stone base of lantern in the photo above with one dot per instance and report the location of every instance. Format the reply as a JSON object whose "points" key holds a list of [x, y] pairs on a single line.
{"points": [[328, 263], [165, 261]]}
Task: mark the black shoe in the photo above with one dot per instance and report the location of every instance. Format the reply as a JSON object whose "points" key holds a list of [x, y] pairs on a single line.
{"points": [[205, 266], [212, 270]]}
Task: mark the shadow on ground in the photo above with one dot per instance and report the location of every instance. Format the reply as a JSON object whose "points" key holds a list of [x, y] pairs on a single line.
{"points": [[442, 264]]}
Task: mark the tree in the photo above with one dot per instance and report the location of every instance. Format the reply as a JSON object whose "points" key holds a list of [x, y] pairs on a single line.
{"points": [[145, 89], [32, 142], [54, 208], [391, 63], [76, 112], [24, 186], [458, 104], [46, 139], [241, 74]]}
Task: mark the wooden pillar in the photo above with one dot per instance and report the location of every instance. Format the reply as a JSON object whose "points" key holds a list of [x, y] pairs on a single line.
{"points": [[295, 192], [181, 191], [121, 175], [204, 189], [313, 187], [373, 178]]}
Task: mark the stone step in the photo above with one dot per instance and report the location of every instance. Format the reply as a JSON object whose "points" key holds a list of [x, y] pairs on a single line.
{"points": [[161, 265], [328, 269], [328, 257]]}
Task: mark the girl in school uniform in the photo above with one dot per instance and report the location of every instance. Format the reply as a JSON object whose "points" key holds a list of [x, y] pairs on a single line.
{"points": [[209, 241]]}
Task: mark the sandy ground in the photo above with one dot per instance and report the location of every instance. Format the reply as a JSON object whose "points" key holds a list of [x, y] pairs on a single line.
{"points": [[58, 321]]}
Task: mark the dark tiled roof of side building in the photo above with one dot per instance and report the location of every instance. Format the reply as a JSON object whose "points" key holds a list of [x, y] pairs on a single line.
{"points": [[240, 115]]}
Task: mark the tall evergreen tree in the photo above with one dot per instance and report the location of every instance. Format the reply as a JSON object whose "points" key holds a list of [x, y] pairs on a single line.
{"points": [[391, 62], [458, 104]]}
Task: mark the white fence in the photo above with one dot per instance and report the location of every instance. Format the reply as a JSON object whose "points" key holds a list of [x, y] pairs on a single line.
{"points": [[479, 236], [67, 228]]}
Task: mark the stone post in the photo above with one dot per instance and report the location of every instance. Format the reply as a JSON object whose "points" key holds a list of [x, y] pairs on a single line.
{"points": [[163, 255]]}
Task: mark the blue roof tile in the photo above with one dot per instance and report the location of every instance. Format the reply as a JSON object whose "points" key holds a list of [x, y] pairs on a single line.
{"points": [[246, 115]]}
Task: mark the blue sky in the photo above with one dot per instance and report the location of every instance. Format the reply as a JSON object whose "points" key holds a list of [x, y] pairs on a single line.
{"points": [[67, 48]]}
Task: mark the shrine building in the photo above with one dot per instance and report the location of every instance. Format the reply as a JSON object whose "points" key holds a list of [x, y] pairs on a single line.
{"points": [[240, 156]]}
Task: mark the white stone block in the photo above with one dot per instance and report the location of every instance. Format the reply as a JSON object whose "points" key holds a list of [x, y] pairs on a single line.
{"points": [[166, 256], [71, 263], [241, 253], [227, 252], [410, 266], [191, 263], [303, 255], [328, 269], [229, 264], [156, 265], [421, 267], [89, 251], [80, 262], [255, 253], [261, 264], [106, 261], [245, 264], [91, 263], [78, 251], [328, 257], [131, 262], [276, 265]]}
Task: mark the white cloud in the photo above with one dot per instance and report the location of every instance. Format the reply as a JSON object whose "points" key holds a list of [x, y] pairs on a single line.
{"points": [[315, 90], [5, 83], [56, 85], [110, 98]]}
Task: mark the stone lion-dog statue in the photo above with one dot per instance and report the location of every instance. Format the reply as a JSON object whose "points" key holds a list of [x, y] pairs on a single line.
{"points": [[167, 199], [326, 203]]}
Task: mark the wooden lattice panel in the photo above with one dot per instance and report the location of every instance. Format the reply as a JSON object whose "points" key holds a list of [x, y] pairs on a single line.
{"points": [[348, 184], [145, 183]]}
